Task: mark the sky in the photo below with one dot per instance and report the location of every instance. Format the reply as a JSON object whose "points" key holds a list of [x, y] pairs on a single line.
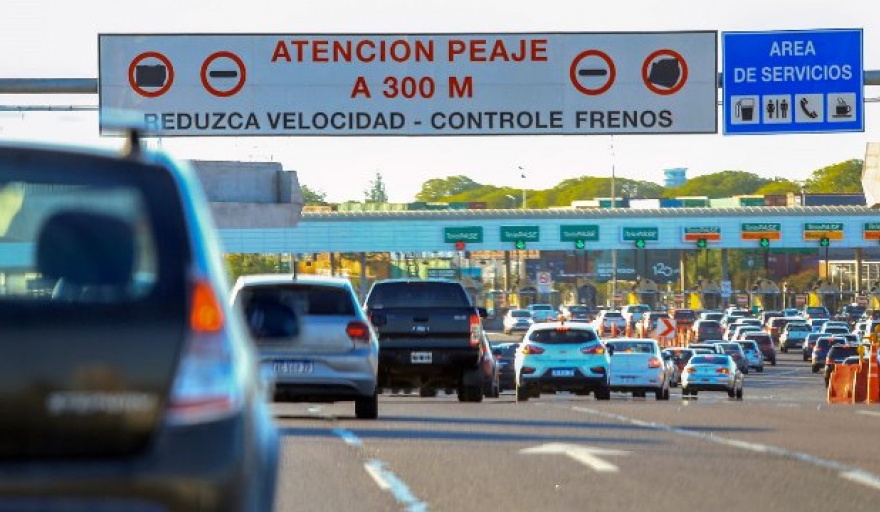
{"points": [[58, 39]]}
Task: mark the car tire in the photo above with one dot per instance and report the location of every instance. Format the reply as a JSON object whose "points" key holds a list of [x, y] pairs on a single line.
{"points": [[745, 371], [784, 349], [731, 393], [638, 394], [426, 392], [470, 393], [662, 394], [367, 408], [815, 368], [773, 362], [602, 394], [522, 394], [739, 393], [806, 358], [759, 369]]}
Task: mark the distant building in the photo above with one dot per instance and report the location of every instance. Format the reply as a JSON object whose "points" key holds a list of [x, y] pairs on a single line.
{"points": [[674, 177]]}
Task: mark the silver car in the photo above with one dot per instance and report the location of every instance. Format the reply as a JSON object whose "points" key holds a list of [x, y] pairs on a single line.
{"points": [[638, 367], [333, 357], [712, 372]]}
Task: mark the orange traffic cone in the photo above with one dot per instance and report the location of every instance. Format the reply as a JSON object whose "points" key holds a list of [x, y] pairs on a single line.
{"points": [[614, 330]]}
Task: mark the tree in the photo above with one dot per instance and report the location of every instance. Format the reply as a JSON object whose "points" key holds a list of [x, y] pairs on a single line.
{"points": [[779, 186], [720, 184], [844, 177], [440, 188], [312, 197], [376, 193]]}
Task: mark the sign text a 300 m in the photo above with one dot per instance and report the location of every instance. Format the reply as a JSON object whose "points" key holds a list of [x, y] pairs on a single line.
{"points": [[412, 84]]}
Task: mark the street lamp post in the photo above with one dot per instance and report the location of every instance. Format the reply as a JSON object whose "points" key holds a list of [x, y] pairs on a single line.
{"points": [[523, 176]]}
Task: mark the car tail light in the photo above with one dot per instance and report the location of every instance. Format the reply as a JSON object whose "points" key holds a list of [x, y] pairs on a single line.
{"points": [[206, 387], [476, 330], [530, 349], [593, 350], [598, 369], [654, 363], [691, 370], [358, 331], [528, 370], [722, 370]]}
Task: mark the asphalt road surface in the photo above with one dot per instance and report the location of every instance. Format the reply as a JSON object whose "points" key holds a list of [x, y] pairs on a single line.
{"points": [[782, 449]]}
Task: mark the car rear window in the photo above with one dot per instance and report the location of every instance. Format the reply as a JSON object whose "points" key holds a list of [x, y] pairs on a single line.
{"points": [[719, 359], [613, 314], [309, 299], [840, 352], [638, 347], [797, 327], [684, 315], [561, 336], [416, 294], [520, 313], [81, 230]]}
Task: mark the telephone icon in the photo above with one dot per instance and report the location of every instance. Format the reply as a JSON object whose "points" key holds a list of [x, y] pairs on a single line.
{"points": [[804, 103]]}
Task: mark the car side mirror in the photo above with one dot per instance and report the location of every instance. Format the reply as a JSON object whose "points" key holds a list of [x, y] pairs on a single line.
{"points": [[610, 350], [482, 312]]}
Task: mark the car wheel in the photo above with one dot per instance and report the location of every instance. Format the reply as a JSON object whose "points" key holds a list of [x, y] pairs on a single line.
{"points": [[773, 362], [449, 391], [522, 394], [470, 393], [638, 394], [602, 394], [806, 358], [739, 393], [425, 392], [784, 349], [367, 408], [759, 369], [815, 368], [745, 371], [731, 393]]}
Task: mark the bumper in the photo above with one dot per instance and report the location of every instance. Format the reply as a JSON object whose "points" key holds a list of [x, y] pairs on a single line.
{"points": [[333, 377], [445, 369], [579, 381], [220, 466], [708, 384], [634, 382], [796, 343]]}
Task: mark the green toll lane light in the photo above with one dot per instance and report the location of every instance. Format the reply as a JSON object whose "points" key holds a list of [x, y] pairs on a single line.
{"points": [[640, 244], [701, 243], [520, 245], [824, 241], [765, 242], [580, 244]]}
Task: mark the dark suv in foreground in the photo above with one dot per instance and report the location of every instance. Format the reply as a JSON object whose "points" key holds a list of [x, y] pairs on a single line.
{"points": [[126, 381]]}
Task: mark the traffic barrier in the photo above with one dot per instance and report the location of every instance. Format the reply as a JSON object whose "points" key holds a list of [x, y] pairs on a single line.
{"points": [[614, 330], [840, 384], [860, 382], [873, 377]]}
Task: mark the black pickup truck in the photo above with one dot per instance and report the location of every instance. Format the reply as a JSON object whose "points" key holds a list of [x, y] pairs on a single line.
{"points": [[429, 336]]}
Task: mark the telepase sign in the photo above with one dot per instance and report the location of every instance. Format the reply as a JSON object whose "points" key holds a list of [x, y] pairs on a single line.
{"points": [[412, 84]]}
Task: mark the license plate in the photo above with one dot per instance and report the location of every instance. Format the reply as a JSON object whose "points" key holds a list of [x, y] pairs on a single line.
{"points": [[292, 367], [562, 372], [421, 357]]}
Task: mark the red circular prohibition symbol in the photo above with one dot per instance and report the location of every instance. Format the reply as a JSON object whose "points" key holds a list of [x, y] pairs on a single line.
{"points": [[681, 81], [133, 66], [573, 72], [241, 79]]}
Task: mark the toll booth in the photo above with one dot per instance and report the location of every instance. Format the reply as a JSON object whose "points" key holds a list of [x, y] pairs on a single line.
{"points": [[644, 291], [587, 295], [765, 295], [873, 295], [706, 295], [825, 293]]}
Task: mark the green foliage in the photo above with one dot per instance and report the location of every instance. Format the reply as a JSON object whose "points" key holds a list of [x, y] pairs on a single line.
{"points": [[246, 264], [779, 186], [376, 193], [720, 184], [439, 188], [844, 177], [312, 197]]}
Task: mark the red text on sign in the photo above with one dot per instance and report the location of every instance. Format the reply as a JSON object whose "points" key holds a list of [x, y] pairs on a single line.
{"points": [[483, 50]]}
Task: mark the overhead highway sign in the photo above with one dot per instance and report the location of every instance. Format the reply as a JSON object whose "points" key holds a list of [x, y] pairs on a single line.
{"points": [[412, 84]]}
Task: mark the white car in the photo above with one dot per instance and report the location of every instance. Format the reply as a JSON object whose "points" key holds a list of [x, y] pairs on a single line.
{"points": [[561, 356], [517, 320], [712, 372], [637, 367]]}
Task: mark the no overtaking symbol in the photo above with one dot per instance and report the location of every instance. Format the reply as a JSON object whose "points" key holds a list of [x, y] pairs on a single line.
{"points": [[592, 72]]}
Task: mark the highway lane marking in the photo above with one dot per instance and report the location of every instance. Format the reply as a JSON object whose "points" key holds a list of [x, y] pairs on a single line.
{"points": [[586, 455], [388, 481], [850, 473], [869, 413], [349, 437]]}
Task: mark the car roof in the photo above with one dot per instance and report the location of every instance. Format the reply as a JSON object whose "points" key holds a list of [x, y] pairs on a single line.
{"points": [[271, 279]]}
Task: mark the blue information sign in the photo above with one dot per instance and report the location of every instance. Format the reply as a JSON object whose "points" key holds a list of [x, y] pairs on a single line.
{"points": [[799, 81]]}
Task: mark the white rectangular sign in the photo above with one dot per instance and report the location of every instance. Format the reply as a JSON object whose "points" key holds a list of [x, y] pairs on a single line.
{"points": [[413, 84]]}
